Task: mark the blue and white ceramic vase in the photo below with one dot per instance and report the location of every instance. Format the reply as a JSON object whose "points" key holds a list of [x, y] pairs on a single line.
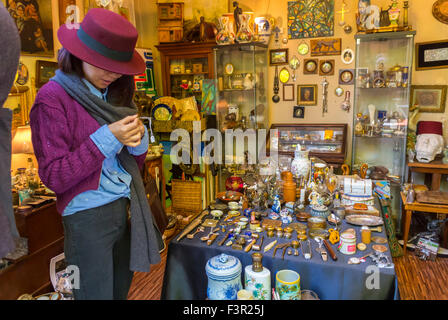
{"points": [[224, 277]]}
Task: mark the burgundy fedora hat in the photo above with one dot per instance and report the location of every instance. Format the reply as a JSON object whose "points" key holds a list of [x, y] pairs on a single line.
{"points": [[106, 40]]}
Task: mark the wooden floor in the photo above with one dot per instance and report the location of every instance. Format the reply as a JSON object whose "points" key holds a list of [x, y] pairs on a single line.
{"points": [[417, 280]]}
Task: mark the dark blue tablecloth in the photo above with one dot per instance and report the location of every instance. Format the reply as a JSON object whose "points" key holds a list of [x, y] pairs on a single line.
{"points": [[185, 276]]}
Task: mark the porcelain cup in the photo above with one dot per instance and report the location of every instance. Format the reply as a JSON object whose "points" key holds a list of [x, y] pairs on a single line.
{"points": [[287, 284]]}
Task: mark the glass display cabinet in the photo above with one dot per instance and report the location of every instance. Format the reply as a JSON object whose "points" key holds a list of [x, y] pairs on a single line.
{"points": [[184, 66], [381, 104], [241, 90], [325, 141], [241, 75]]}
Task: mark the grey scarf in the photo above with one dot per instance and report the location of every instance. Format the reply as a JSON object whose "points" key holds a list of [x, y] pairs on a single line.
{"points": [[146, 239]]}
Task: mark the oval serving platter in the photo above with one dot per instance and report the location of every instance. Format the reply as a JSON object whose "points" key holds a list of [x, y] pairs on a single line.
{"points": [[364, 220]]}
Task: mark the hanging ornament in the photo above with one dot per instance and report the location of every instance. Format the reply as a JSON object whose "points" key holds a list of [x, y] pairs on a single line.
{"points": [[276, 97], [294, 63], [324, 97], [343, 12]]}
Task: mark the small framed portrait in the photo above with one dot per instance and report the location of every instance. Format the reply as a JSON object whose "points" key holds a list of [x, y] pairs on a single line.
{"points": [[299, 112], [45, 70], [307, 94], [288, 92], [347, 56], [278, 57], [431, 55], [310, 66], [346, 76], [430, 98]]}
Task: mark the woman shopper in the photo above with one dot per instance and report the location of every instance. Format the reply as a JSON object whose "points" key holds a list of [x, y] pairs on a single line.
{"points": [[90, 147]]}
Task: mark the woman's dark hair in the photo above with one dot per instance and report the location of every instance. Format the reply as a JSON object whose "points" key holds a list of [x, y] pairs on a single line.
{"points": [[120, 92]]}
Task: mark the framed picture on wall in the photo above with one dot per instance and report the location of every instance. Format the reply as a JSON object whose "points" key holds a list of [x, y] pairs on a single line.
{"points": [[45, 70], [430, 98], [17, 101], [278, 57], [307, 94], [288, 92], [34, 21], [431, 55], [299, 112]]}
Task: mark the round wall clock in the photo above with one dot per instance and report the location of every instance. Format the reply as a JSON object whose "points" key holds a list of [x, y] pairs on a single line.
{"points": [[347, 56], [284, 75], [303, 48], [229, 68], [310, 66], [440, 10]]}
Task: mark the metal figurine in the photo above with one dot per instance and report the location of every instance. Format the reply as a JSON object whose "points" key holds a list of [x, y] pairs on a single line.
{"points": [[275, 97], [324, 97], [236, 15]]}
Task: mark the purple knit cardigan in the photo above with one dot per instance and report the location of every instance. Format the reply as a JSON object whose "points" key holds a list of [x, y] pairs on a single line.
{"points": [[69, 161]]}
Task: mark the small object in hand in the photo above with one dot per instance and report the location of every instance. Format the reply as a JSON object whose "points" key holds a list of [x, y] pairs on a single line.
{"points": [[379, 248]]}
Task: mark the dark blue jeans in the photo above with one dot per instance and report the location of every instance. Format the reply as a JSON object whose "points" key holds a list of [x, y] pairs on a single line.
{"points": [[97, 241]]}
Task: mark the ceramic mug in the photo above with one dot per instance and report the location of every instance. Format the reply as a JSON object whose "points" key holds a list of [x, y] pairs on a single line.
{"points": [[287, 285]]}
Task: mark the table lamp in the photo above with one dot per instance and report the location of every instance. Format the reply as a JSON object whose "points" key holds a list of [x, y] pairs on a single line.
{"points": [[21, 143]]}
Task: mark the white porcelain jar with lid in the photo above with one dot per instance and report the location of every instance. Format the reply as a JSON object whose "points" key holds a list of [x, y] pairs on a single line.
{"points": [[224, 277]]}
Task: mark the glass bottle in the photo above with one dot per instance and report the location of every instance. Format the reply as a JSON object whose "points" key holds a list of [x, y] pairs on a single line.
{"points": [[32, 175], [257, 279]]}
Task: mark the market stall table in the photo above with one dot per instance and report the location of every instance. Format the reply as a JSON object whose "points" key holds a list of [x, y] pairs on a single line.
{"points": [[185, 276]]}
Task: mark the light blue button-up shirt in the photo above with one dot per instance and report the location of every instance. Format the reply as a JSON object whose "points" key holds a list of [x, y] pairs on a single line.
{"points": [[114, 180]]}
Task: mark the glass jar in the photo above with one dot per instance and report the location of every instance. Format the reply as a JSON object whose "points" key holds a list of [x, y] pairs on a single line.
{"points": [[366, 234], [301, 165]]}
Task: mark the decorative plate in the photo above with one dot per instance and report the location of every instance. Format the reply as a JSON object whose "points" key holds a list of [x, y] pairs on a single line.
{"points": [[440, 10], [364, 220], [284, 75], [326, 68], [229, 68], [161, 112], [303, 48], [227, 196], [310, 66], [346, 76], [170, 102]]}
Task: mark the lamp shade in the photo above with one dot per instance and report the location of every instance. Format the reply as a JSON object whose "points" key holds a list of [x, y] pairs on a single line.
{"points": [[21, 143]]}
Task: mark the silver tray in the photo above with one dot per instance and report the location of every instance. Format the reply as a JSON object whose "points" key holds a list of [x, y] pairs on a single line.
{"points": [[364, 220]]}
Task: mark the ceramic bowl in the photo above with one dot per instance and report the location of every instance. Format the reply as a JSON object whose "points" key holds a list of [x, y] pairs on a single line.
{"points": [[242, 224], [320, 211], [233, 205], [216, 213], [244, 219]]}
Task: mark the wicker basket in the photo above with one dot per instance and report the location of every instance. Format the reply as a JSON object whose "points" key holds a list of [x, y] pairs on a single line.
{"points": [[186, 197]]}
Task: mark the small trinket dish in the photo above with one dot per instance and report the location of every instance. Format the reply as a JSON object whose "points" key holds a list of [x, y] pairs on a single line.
{"points": [[303, 216], [317, 222], [233, 205], [379, 248], [361, 246], [216, 213]]}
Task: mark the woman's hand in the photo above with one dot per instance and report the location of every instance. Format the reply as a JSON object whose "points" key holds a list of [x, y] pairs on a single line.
{"points": [[129, 131]]}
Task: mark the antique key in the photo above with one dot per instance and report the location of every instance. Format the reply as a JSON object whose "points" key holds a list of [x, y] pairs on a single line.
{"points": [[191, 235]]}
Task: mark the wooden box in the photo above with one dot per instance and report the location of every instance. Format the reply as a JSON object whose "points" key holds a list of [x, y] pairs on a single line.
{"points": [[197, 67], [170, 34], [170, 11]]}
